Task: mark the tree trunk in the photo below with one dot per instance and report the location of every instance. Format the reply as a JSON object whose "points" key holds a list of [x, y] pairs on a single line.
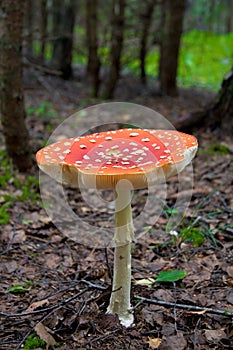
{"points": [[12, 98], [63, 26], [43, 27], [218, 116], [118, 18], [228, 16], [211, 15], [29, 26], [146, 17], [170, 44], [93, 63]]}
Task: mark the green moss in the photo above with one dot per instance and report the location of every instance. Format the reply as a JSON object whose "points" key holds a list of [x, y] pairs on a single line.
{"points": [[216, 149], [220, 149], [34, 342]]}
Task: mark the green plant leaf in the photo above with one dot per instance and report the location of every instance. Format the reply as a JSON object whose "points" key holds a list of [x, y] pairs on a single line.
{"points": [[170, 276], [172, 211], [17, 288], [193, 235], [4, 215]]}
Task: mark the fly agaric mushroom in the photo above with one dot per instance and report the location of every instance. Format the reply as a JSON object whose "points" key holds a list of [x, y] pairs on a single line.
{"points": [[120, 160]]}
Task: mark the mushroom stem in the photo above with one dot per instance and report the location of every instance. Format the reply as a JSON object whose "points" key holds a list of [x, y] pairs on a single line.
{"points": [[124, 233]]}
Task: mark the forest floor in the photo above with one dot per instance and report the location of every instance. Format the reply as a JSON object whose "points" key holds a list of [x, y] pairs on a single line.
{"points": [[59, 289]]}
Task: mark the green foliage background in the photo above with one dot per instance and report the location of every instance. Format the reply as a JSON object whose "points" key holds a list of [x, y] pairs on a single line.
{"points": [[204, 59]]}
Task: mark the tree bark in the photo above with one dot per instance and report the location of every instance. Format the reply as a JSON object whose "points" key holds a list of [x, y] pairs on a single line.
{"points": [[170, 44], [29, 25], [228, 17], [146, 17], [93, 63], [43, 27], [12, 98], [63, 26], [118, 19], [218, 116]]}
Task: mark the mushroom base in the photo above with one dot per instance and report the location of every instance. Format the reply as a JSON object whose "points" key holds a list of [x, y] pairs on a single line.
{"points": [[120, 298]]}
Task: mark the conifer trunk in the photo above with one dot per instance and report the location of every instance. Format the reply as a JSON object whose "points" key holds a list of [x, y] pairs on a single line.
{"points": [[93, 63], [146, 17], [43, 27], [12, 98], [118, 19], [170, 44], [63, 26]]}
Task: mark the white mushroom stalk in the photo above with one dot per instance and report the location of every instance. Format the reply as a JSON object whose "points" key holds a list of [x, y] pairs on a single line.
{"points": [[113, 160], [124, 234]]}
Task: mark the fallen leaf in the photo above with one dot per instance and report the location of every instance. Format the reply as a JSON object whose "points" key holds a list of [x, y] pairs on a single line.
{"points": [[163, 294], [174, 342], [230, 298], [45, 219], [214, 335], [18, 237], [154, 342], [37, 304], [52, 261], [43, 333], [8, 267], [228, 269], [189, 313], [230, 282], [152, 315], [145, 282]]}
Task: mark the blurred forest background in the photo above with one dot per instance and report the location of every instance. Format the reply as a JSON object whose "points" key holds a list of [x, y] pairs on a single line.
{"points": [[182, 43]]}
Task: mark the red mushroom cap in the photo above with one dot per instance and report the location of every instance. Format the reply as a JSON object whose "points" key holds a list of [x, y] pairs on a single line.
{"points": [[100, 160]]}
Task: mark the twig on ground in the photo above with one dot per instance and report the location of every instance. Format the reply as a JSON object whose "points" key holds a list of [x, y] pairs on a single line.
{"points": [[29, 62], [57, 306], [94, 286], [135, 306], [62, 303], [185, 307]]}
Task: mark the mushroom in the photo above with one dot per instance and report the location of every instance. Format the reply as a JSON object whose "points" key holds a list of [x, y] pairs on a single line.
{"points": [[120, 160]]}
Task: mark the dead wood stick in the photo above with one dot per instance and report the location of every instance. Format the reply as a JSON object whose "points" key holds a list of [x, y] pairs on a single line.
{"points": [[47, 309], [92, 285], [184, 306], [42, 68]]}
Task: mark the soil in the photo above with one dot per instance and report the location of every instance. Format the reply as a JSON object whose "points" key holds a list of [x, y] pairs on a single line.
{"points": [[64, 286]]}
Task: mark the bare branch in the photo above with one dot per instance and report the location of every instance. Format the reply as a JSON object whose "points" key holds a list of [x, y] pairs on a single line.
{"points": [[192, 308]]}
